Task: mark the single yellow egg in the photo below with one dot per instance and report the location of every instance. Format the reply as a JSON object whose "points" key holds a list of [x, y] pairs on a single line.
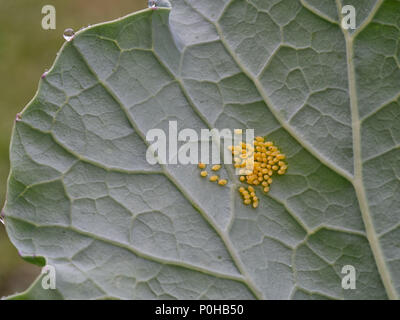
{"points": [[214, 178]]}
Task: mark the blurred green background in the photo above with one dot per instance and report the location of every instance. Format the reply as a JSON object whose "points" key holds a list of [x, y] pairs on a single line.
{"points": [[26, 50]]}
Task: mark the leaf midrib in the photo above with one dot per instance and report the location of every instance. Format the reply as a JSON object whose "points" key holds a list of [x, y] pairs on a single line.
{"points": [[357, 155]]}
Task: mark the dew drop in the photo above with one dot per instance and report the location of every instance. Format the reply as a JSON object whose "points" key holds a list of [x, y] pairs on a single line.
{"points": [[153, 4], [2, 216], [18, 117], [68, 34]]}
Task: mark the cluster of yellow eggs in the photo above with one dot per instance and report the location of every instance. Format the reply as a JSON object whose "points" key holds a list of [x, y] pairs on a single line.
{"points": [[249, 196], [213, 178], [256, 164]]}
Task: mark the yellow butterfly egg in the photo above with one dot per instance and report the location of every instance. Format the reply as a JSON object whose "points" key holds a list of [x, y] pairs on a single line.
{"points": [[222, 182], [258, 166], [216, 167], [214, 178]]}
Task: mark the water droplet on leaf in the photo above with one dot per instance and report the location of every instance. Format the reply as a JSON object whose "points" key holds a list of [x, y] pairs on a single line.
{"points": [[68, 34], [18, 117], [154, 4]]}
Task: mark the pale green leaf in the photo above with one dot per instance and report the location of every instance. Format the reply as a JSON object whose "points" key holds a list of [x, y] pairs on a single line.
{"points": [[82, 195]]}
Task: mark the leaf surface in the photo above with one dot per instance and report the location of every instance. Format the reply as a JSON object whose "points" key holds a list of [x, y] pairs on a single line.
{"points": [[82, 195]]}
